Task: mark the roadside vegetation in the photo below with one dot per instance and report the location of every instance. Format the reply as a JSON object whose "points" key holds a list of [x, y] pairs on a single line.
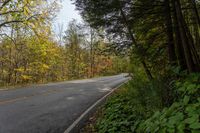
{"points": [[137, 107], [162, 40]]}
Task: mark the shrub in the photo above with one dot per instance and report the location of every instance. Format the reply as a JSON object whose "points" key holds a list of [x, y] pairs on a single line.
{"points": [[138, 107], [136, 100], [182, 116]]}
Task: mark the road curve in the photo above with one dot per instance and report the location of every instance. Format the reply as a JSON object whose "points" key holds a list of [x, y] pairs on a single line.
{"points": [[53, 107]]}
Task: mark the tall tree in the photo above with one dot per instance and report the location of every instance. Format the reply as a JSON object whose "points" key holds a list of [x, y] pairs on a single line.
{"points": [[113, 17]]}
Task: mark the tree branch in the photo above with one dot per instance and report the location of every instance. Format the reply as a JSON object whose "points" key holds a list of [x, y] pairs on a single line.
{"points": [[12, 21], [4, 4], [8, 12]]}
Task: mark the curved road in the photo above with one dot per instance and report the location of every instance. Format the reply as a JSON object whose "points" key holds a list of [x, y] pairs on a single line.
{"points": [[53, 107]]}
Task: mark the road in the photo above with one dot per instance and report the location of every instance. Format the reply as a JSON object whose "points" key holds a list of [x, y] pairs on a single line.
{"points": [[53, 107]]}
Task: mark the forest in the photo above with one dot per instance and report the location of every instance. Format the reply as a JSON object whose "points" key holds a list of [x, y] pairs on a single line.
{"points": [[31, 52], [161, 37], [156, 41]]}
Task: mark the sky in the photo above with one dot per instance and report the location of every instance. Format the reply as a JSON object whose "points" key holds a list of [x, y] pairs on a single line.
{"points": [[66, 14]]}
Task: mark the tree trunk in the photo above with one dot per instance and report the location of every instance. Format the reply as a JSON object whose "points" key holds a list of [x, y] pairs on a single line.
{"points": [[190, 40], [147, 71], [169, 30], [184, 39], [197, 38], [179, 45], [196, 24], [91, 54], [195, 10]]}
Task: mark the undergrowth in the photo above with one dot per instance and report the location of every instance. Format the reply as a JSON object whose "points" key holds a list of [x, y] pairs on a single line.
{"points": [[139, 108]]}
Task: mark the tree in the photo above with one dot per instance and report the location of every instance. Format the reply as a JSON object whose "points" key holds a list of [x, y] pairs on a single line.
{"points": [[149, 27], [74, 41], [20, 22], [29, 13]]}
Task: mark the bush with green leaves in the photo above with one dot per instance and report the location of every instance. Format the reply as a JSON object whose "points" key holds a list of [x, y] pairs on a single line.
{"points": [[138, 108], [182, 116], [136, 100]]}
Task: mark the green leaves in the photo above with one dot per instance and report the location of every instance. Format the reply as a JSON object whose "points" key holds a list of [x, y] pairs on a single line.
{"points": [[177, 121], [193, 119], [186, 100], [181, 116], [125, 110], [120, 113], [195, 125]]}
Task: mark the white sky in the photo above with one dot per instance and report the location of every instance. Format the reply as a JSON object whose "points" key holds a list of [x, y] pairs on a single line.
{"points": [[66, 14]]}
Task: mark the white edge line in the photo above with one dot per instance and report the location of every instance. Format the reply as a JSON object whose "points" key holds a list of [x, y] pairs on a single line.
{"points": [[75, 123]]}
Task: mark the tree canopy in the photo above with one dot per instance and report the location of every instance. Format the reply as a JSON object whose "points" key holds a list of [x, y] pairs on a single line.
{"points": [[158, 32]]}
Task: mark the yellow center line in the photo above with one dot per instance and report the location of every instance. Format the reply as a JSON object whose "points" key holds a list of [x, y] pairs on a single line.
{"points": [[27, 97]]}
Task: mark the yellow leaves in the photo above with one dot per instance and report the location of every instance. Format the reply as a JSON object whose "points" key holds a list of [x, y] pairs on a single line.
{"points": [[42, 68], [26, 11], [45, 66], [39, 67], [22, 73], [26, 77], [19, 70]]}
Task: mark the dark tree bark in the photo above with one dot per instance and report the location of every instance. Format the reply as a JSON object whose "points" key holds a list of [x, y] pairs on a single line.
{"points": [[169, 30], [184, 38], [197, 38], [195, 10], [191, 44], [147, 71], [179, 46]]}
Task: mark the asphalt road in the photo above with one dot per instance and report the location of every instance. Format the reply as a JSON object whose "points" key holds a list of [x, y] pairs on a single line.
{"points": [[53, 107]]}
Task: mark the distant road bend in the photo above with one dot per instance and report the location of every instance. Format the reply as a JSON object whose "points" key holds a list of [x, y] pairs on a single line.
{"points": [[53, 107]]}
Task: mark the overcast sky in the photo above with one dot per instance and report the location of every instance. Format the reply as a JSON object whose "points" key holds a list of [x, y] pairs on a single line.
{"points": [[66, 14]]}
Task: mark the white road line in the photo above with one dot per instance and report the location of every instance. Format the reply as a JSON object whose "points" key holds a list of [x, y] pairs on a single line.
{"points": [[83, 115]]}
